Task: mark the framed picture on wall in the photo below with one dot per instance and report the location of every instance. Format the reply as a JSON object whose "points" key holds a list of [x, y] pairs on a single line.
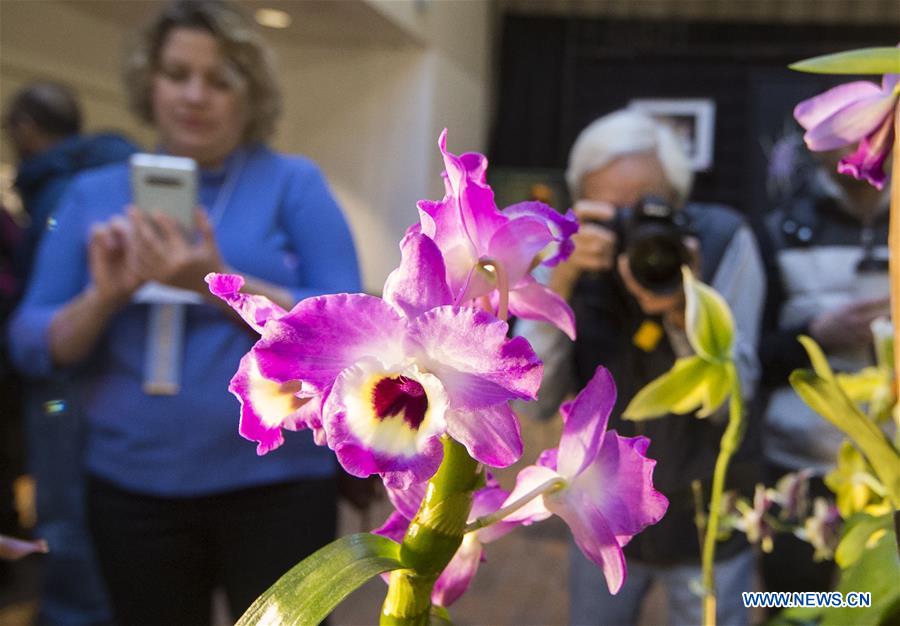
{"points": [[692, 119]]}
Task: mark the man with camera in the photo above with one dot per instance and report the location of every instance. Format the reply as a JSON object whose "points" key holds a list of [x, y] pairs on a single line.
{"points": [[630, 178]]}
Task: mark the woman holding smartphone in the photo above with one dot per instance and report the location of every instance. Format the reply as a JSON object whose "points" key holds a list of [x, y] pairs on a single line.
{"points": [[178, 502]]}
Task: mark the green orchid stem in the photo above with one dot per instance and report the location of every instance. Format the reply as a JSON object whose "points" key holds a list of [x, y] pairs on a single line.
{"points": [[554, 484], [433, 537], [731, 439]]}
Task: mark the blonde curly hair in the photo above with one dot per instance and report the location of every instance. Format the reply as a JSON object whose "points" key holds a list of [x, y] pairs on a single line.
{"points": [[242, 45]]}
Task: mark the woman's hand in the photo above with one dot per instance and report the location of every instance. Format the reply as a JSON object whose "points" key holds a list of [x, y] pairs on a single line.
{"points": [[161, 251], [114, 280]]}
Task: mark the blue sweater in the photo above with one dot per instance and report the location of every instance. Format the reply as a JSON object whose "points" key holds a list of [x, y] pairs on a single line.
{"points": [[280, 224]]}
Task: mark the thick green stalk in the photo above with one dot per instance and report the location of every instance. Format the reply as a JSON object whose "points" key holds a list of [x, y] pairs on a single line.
{"points": [[731, 439], [433, 537]]}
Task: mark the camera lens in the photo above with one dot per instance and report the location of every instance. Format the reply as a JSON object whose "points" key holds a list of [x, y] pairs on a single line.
{"points": [[656, 259]]}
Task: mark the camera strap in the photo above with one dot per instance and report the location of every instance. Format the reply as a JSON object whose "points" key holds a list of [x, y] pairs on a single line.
{"points": [[165, 342]]}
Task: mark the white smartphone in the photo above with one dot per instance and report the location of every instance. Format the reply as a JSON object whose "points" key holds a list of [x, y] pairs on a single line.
{"points": [[166, 184]]}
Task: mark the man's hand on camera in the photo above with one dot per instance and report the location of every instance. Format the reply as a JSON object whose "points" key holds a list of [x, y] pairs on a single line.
{"points": [[595, 246]]}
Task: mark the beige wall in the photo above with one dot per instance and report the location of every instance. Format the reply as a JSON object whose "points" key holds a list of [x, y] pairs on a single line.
{"points": [[368, 114]]}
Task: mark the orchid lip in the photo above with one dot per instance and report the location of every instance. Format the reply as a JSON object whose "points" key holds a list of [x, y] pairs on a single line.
{"points": [[393, 410], [400, 395]]}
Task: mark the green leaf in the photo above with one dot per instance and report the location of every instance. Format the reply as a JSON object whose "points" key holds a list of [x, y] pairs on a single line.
{"points": [[312, 588], [862, 61], [827, 399], [692, 383], [877, 571], [859, 531], [439, 616], [708, 321], [816, 357]]}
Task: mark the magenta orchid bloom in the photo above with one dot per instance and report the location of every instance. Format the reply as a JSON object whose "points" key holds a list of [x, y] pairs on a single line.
{"points": [[393, 375], [468, 228], [861, 112], [754, 521], [603, 482], [267, 406], [457, 576]]}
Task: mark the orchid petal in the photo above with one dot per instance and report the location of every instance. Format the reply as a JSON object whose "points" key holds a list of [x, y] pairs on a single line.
{"points": [[399, 472], [549, 458], [529, 479], [486, 501], [491, 434], [851, 123], [394, 527], [255, 310], [322, 336], [562, 226], [619, 483], [533, 301], [867, 163], [477, 213], [516, 244], [593, 536], [458, 574], [407, 501], [585, 419], [266, 406], [420, 283], [468, 350], [812, 112], [476, 166]]}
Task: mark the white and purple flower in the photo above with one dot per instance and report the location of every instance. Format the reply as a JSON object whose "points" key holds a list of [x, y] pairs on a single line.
{"points": [[391, 375], [599, 483], [469, 229], [860, 111], [266, 406]]}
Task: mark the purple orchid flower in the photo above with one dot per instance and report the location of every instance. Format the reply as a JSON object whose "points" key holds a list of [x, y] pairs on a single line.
{"points": [[267, 406], [393, 375], [792, 494], [457, 576], [860, 111], [599, 483], [754, 521], [822, 530], [468, 228]]}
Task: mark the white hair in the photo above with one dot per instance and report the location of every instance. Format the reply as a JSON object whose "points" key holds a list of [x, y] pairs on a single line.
{"points": [[626, 132]]}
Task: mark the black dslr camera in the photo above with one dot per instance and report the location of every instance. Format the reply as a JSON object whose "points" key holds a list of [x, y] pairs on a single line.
{"points": [[652, 234]]}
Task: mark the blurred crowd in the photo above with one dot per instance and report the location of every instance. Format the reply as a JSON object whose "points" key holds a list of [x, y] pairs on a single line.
{"points": [[147, 497]]}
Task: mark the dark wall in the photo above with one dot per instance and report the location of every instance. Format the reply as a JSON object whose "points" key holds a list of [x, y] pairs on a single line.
{"points": [[558, 74]]}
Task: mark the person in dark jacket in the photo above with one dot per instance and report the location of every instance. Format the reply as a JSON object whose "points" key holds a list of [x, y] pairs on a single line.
{"points": [[638, 334], [825, 245], [43, 122]]}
